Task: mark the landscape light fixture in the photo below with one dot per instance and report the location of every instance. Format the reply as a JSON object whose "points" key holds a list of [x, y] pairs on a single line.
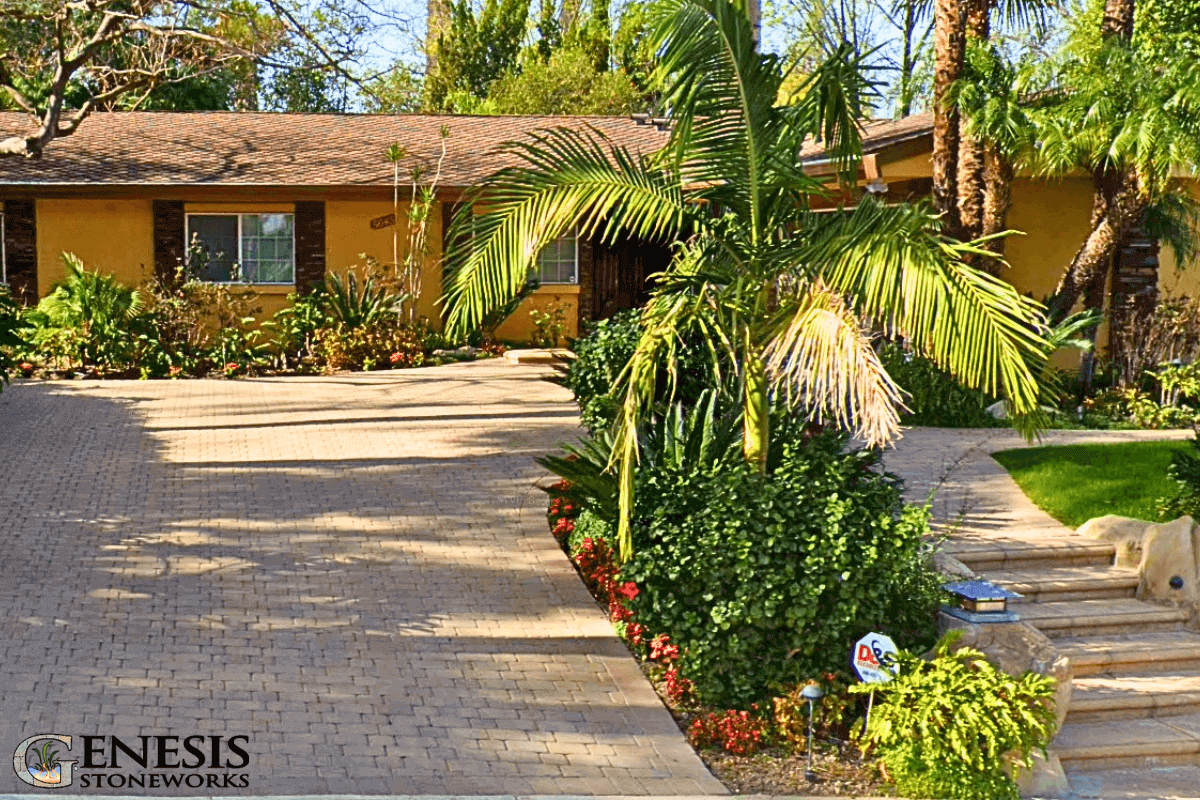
{"points": [[980, 601], [812, 693]]}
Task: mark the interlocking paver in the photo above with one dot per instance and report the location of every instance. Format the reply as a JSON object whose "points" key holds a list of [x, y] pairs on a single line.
{"points": [[353, 571]]}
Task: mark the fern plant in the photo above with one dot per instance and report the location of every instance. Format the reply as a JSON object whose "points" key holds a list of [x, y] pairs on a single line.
{"points": [[94, 312], [953, 726]]}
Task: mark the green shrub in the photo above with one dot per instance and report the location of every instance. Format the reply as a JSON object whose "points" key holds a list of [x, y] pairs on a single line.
{"points": [[602, 354], [197, 328], [386, 342], [1140, 409], [589, 526], [599, 358], [1185, 471], [548, 325], [765, 580], [947, 727], [90, 319], [10, 341], [295, 328], [935, 397]]}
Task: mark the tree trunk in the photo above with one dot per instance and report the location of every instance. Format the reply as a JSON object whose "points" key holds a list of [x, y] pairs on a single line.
{"points": [[1118, 19], [437, 20], [997, 201], [1117, 203], [756, 416], [971, 156], [949, 51], [1093, 298], [907, 60]]}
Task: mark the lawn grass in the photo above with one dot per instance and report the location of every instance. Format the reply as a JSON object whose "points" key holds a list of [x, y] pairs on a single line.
{"points": [[1075, 483]]}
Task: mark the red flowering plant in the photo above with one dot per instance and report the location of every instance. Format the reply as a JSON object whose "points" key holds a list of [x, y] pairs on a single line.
{"points": [[26, 369], [739, 733], [562, 511]]}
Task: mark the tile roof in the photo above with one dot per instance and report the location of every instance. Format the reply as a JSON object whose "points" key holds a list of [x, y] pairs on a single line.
{"points": [[273, 149], [878, 134]]}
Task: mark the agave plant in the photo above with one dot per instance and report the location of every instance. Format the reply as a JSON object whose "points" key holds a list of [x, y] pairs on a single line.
{"points": [[789, 295], [351, 305]]}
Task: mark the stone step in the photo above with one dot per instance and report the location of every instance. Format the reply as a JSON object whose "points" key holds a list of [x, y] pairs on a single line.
{"points": [[1124, 696], [1100, 617], [1018, 554], [1135, 743], [1068, 583], [1131, 652]]}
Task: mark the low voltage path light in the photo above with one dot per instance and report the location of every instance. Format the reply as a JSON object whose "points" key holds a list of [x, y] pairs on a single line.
{"points": [[812, 693]]}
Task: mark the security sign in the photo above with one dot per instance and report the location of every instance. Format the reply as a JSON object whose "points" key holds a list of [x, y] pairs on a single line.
{"points": [[874, 658]]}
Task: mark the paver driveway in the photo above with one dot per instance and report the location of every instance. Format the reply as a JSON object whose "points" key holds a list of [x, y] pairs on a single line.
{"points": [[352, 571]]}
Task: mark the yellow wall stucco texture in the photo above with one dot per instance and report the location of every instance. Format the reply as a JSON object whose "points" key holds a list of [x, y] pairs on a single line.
{"points": [[113, 236], [519, 327]]}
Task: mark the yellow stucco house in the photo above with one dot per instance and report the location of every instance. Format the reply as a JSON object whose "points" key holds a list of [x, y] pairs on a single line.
{"points": [[288, 198], [292, 197]]}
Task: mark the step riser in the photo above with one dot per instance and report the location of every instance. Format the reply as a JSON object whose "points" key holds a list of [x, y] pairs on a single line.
{"points": [[986, 563], [1081, 669], [1076, 715], [1129, 762], [1105, 630], [1053, 595]]}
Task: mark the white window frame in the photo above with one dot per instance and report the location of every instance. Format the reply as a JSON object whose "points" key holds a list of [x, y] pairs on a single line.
{"points": [[238, 260], [574, 233]]}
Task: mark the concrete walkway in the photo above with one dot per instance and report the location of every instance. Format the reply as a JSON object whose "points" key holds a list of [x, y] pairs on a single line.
{"points": [[975, 499], [354, 572]]}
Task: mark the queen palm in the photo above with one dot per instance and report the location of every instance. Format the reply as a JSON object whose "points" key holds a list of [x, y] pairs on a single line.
{"points": [[785, 294], [1124, 107]]}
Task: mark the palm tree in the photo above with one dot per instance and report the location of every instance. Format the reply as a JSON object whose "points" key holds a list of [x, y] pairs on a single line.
{"points": [[961, 188], [996, 116], [1129, 115], [787, 295]]}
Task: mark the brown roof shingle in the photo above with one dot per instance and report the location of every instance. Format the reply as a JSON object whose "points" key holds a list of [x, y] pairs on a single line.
{"points": [[877, 134], [275, 149]]}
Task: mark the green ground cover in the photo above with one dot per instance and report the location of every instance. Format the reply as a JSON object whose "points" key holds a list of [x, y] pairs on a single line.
{"points": [[1075, 483]]}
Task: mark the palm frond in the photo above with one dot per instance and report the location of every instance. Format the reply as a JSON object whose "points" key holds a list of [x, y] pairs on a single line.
{"points": [[822, 357], [665, 317], [901, 274], [833, 103], [568, 178], [720, 92], [1175, 219]]}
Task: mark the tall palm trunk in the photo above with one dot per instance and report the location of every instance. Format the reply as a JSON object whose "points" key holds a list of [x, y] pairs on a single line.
{"points": [[1117, 200], [949, 53], [1117, 203], [997, 201], [1118, 18], [971, 151]]}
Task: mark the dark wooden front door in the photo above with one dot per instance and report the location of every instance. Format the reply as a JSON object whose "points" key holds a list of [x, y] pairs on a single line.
{"points": [[620, 273]]}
